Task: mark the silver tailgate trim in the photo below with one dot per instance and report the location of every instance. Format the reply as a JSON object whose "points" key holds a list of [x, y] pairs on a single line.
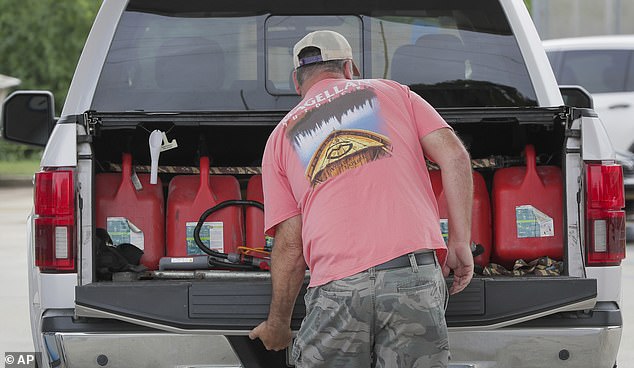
{"points": [[82, 311]]}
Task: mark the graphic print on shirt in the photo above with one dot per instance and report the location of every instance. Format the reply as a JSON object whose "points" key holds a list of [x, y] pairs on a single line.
{"points": [[339, 135]]}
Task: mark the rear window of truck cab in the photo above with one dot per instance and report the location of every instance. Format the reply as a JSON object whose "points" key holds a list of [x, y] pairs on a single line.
{"points": [[205, 56]]}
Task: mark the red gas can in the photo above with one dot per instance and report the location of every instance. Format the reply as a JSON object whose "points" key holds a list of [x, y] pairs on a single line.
{"points": [[528, 212], [480, 214], [255, 216], [131, 215], [188, 197]]}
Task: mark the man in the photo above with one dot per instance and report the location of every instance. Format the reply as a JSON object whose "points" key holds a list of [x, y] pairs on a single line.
{"points": [[347, 191]]}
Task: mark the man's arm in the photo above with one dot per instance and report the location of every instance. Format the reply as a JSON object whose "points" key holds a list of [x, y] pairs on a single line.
{"points": [[443, 147], [287, 273]]}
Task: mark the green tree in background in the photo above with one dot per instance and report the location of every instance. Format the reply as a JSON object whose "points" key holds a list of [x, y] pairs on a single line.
{"points": [[40, 43]]}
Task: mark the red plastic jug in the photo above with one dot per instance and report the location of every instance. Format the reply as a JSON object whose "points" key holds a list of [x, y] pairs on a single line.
{"points": [[480, 214], [528, 212], [188, 197], [255, 216], [131, 215]]}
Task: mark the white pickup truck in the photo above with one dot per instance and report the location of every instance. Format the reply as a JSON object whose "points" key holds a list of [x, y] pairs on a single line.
{"points": [[212, 79]]}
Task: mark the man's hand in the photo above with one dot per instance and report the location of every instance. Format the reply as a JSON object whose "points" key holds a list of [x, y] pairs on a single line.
{"points": [[274, 336], [287, 276], [460, 260]]}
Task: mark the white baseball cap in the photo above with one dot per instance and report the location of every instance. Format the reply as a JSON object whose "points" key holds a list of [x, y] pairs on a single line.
{"points": [[332, 45]]}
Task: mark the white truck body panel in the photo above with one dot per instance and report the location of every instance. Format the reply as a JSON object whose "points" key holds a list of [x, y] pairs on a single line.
{"points": [[533, 53], [62, 148], [82, 88], [595, 141], [607, 289]]}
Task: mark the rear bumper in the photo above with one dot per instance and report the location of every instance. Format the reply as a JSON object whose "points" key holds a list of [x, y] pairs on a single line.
{"points": [[146, 349], [571, 339], [585, 347], [592, 347], [589, 339], [70, 342]]}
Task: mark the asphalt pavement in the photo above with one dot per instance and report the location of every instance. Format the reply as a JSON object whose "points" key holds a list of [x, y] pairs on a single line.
{"points": [[15, 205], [626, 351], [15, 335]]}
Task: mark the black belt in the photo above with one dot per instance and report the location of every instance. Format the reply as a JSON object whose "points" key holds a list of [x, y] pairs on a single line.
{"points": [[422, 259]]}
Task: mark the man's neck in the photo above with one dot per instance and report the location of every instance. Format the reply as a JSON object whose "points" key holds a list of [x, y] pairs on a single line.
{"points": [[307, 85]]}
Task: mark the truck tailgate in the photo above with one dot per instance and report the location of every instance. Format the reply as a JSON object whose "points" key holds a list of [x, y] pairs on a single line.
{"points": [[236, 306]]}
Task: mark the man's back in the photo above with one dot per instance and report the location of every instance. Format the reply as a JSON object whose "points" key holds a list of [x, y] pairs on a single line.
{"points": [[351, 153]]}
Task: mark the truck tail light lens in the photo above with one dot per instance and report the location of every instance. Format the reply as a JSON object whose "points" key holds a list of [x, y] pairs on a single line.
{"points": [[605, 217], [54, 224]]}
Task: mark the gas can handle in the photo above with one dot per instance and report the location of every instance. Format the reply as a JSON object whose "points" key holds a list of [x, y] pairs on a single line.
{"points": [[127, 183], [531, 163], [126, 169], [126, 165], [204, 179]]}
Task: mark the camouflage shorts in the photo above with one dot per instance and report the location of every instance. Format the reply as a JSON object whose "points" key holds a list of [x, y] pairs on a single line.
{"points": [[391, 318]]}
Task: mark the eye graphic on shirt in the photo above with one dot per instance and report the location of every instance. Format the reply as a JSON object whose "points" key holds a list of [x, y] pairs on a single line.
{"points": [[339, 150], [340, 135]]}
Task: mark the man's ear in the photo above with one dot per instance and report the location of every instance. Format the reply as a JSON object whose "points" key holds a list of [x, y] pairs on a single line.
{"points": [[296, 83], [347, 69]]}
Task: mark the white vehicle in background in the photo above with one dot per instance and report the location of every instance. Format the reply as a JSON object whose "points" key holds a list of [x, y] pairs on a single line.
{"points": [[603, 65]]}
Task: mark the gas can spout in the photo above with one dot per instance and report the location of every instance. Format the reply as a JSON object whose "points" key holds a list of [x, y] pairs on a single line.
{"points": [[156, 138]]}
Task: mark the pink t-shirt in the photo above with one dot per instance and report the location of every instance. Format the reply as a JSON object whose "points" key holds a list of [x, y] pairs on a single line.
{"points": [[348, 158]]}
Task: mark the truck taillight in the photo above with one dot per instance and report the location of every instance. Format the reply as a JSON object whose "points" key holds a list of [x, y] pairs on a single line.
{"points": [[605, 217], [54, 224]]}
